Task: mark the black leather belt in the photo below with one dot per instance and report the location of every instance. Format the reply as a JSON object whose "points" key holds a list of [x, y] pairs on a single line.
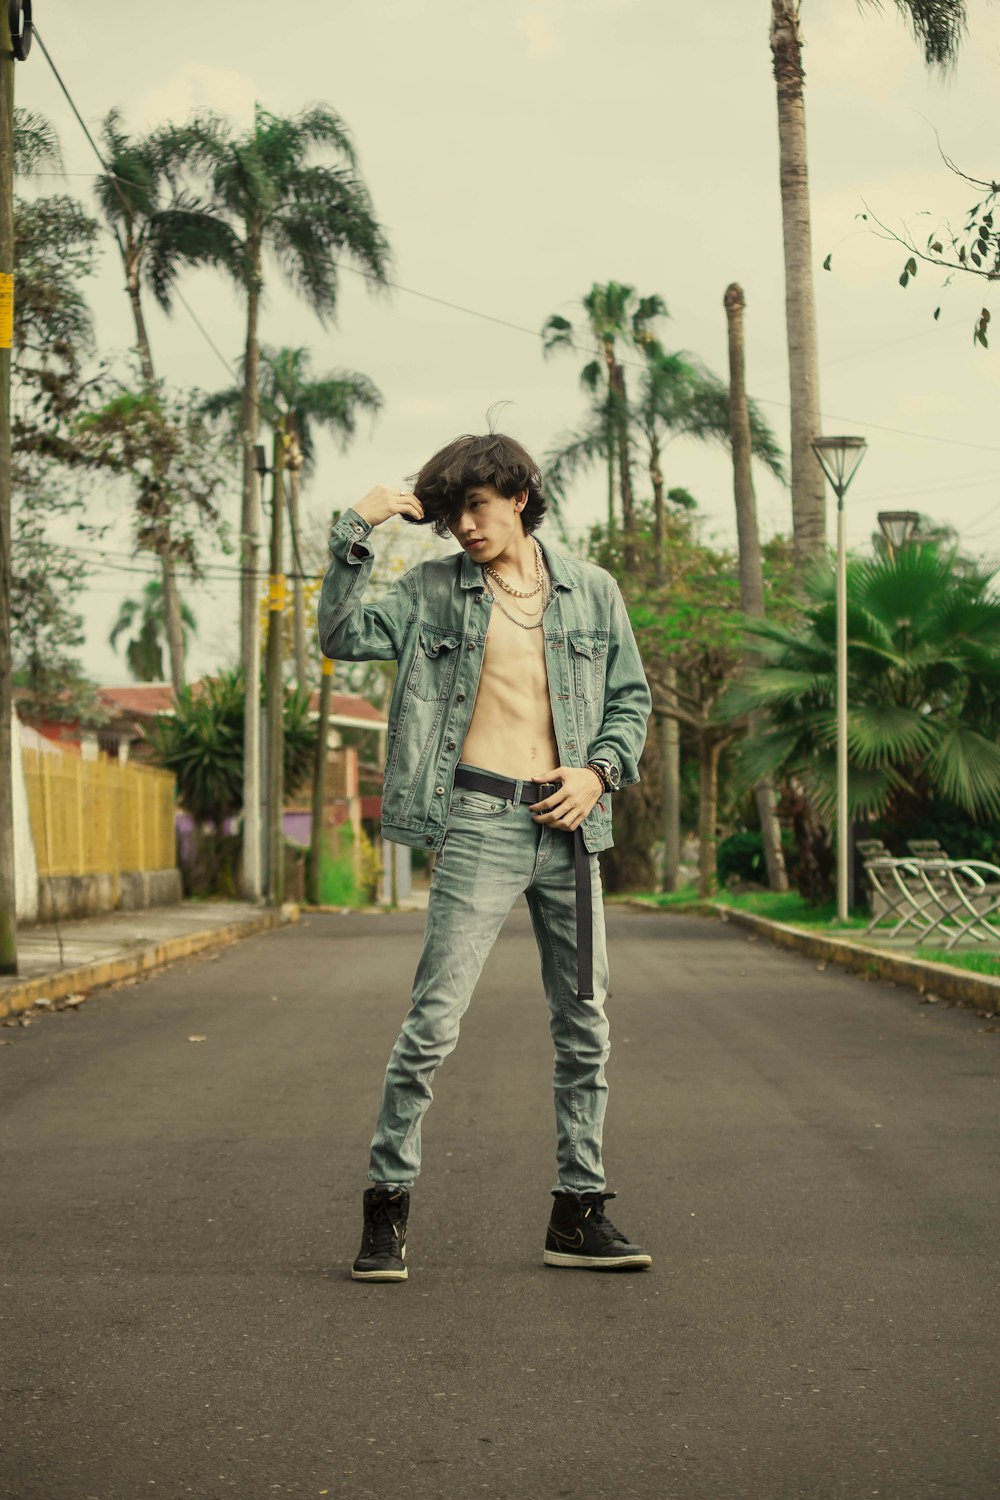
{"points": [[496, 785]]}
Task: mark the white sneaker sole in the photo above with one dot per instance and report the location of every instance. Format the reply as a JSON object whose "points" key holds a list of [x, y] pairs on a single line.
{"points": [[597, 1262], [379, 1275]]}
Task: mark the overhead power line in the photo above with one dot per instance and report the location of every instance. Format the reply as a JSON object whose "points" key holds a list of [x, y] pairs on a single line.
{"points": [[533, 333]]}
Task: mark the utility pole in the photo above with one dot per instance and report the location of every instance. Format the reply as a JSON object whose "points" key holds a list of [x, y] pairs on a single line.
{"points": [[317, 839], [8, 919], [275, 685], [250, 872]]}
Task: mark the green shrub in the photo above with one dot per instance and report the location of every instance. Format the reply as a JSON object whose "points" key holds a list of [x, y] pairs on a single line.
{"points": [[740, 857]]}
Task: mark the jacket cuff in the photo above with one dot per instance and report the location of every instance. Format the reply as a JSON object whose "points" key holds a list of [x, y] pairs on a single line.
{"points": [[349, 532]]}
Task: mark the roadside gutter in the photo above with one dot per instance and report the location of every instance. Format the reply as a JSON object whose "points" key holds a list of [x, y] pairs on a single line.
{"points": [[961, 986]]}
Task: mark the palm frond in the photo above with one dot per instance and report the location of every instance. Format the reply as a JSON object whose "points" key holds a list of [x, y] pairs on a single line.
{"points": [[36, 144], [939, 25], [878, 733], [966, 767]]}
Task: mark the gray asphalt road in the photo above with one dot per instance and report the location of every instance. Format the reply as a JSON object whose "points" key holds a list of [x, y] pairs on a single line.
{"points": [[813, 1160]]}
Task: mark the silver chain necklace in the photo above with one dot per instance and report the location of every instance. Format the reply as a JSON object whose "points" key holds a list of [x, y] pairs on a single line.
{"points": [[508, 588], [534, 624]]}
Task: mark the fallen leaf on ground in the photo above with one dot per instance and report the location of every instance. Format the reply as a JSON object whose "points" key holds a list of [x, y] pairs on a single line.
{"points": [[197, 1038]]}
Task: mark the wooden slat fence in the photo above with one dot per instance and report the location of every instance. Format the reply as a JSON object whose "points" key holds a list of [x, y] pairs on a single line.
{"points": [[96, 817]]}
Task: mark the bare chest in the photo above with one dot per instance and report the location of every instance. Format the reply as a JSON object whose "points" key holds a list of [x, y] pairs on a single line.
{"points": [[514, 659]]}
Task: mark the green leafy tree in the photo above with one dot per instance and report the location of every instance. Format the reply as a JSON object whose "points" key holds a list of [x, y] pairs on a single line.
{"points": [[46, 631], [154, 223], [147, 617], [177, 467], [923, 689], [690, 634], [201, 742], [268, 196]]}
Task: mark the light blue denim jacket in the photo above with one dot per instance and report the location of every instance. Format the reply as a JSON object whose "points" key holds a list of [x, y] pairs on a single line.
{"points": [[433, 620]]}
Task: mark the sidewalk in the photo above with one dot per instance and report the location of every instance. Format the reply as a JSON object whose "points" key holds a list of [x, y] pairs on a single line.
{"points": [[82, 955]]}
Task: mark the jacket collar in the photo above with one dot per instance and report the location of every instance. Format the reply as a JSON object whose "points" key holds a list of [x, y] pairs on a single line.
{"points": [[558, 565]]}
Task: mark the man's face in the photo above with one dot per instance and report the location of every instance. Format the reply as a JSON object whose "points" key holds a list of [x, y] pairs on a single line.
{"points": [[487, 518]]}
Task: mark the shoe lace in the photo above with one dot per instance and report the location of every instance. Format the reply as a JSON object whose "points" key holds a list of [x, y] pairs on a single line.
{"points": [[593, 1210], [381, 1232]]}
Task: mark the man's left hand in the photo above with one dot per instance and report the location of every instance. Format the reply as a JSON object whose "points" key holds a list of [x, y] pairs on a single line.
{"points": [[568, 806]]}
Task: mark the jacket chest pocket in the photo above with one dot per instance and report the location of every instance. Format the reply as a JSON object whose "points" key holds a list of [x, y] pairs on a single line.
{"points": [[434, 664], [588, 651]]}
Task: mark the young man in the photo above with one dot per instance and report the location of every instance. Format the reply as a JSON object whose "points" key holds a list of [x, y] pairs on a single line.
{"points": [[519, 706]]}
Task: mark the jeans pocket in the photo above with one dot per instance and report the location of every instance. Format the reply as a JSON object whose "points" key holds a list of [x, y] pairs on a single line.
{"points": [[482, 806]]}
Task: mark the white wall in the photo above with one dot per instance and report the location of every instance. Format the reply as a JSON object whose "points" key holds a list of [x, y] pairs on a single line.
{"points": [[25, 864]]}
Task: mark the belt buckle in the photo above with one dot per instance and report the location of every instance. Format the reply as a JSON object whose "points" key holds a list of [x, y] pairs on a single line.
{"points": [[546, 789]]}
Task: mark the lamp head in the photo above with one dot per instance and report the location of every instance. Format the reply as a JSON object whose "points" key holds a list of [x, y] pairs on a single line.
{"points": [[898, 526], [839, 458]]}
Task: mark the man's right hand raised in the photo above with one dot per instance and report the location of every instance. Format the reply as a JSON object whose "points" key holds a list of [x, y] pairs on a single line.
{"points": [[382, 503]]}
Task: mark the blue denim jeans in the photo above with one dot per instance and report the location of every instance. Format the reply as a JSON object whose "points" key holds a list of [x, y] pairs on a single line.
{"points": [[492, 852]]}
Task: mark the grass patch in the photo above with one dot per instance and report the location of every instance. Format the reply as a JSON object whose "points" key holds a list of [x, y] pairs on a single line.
{"points": [[338, 885], [777, 906], [979, 963]]}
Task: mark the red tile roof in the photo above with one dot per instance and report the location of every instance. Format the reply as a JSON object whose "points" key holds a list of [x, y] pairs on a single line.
{"points": [[349, 706], [146, 699]]}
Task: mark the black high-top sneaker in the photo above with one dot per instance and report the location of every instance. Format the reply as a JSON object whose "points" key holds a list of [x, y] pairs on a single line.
{"points": [[382, 1256], [580, 1234]]}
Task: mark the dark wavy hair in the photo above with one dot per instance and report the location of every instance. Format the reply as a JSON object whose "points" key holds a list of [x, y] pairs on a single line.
{"points": [[492, 458]]}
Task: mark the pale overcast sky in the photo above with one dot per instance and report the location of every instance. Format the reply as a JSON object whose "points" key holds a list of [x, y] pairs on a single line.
{"points": [[518, 152]]}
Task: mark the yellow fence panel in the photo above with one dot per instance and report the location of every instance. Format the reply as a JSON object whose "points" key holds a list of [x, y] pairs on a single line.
{"points": [[96, 817]]}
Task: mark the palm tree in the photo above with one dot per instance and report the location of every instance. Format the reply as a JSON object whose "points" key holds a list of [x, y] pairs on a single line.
{"points": [[268, 196], [923, 688], [144, 652], [36, 144], [939, 26], [750, 562], [677, 397], [294, 402], [150, 224], [615, 314]]}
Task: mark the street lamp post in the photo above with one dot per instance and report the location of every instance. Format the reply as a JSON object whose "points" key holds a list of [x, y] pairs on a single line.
{"points": [[840, 457], [898, 527]]}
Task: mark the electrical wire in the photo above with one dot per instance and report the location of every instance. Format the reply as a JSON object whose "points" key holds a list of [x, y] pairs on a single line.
{"points": [[519, 327]]}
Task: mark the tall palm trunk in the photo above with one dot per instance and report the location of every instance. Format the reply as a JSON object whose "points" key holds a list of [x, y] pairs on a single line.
{"points": [[624, 450], [611, 471], [751, 567], [670, 739], [171, 598], [670, 750], [808, 498], [656, 479], [709, 750]]}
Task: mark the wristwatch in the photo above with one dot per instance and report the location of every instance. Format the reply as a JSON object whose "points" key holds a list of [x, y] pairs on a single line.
{"points": [[609, 773]]}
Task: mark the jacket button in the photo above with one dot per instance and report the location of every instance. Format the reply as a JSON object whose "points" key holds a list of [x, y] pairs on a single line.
{"points": [[472, 646], [439, 790], [450, 745], [429, 839], [460, 697]]}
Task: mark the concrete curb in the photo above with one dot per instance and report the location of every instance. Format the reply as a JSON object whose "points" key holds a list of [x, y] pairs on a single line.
{"points": [[22, 994], [961, 986]]}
